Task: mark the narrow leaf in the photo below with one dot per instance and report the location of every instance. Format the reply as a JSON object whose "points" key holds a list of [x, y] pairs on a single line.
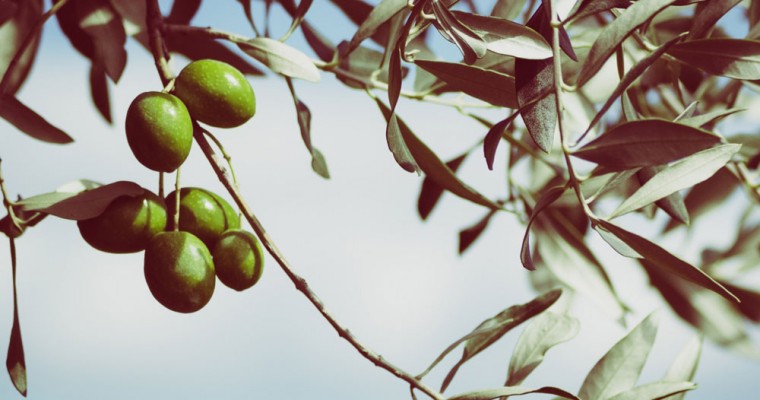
{"points": [[534, 81], [506, 37], [734, 58], [15, 360], [619, 369], [647, 142], [432, 165], [711, 117], [431, 191], [468, 236], [100, 20], [470, 43], [20, 18], [545, 331], [490, 86], [303, 115], [684, 366], [29, 122], [682, 174], [99, 91], [80, 206], [673, 203], [614, 34], [281, 58], [549, 197], [656, 390], [666, 261], [383, 12], [201, 47], [591, 7], [490, 330], [707, 14], [490, 394], [616, 243], [493, 138]]}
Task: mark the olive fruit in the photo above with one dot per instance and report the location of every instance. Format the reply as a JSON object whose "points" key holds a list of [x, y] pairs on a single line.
{"points": [[238, 259], [126, 225], [202, 213], [216, 93], [159, 131], [179, 271]]}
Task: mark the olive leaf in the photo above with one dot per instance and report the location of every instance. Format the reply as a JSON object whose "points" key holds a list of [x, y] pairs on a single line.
{"points": [[281, 58], [734, 58], [29, 122], [80, 204]]}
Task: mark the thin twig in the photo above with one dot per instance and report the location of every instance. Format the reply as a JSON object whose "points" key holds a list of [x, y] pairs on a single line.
{"points": [[155, 24]]}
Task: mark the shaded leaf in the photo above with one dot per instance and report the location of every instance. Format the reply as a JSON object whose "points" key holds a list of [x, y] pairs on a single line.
{"points": [[708, 194], [358, 11], [734, 58], [470, 43], [614, 34], [673, 203], [383, 12], [183, 11], [591, 7], [534, 81], [99, 91], [656, 390], [648, 142], [100, 20], [80, 205], [549, 197], [508, 9], [490, 330], [29, 122], [469, 235], [682, 174], [707, 14], [489, 394], [281, 58], [433, 166], [546, 331], [750, 301], [201, 47], [303, 115], [20, 18], [506, 37], [431, 191], [493, 138], [684, 367], [664, 260], [631, 76], [14, 361], [619, 369], [490, 86]]}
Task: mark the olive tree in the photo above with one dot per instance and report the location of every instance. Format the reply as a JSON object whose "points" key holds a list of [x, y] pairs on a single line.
{"points": [[615, 118]]}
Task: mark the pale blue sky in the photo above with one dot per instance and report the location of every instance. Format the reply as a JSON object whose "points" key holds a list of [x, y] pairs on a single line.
{"points": [[93, 331]]}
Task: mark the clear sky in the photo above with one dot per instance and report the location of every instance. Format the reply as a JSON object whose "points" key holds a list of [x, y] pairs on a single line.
{"points": [[92, 330]]}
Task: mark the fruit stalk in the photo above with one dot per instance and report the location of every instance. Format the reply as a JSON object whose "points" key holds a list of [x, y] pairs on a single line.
{"points": [[155, 23]]}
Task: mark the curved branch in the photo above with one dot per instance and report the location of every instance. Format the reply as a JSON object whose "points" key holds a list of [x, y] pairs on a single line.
{"points": [[155, 24]]}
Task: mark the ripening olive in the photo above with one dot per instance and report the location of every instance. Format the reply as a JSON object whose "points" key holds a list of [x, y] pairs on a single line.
{"points": [[238, 259], [202, 213]]}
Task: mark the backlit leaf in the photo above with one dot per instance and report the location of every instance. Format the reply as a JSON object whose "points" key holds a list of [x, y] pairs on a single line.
{"points": [[490, 394], [643, 143], [656, 390], [384, 11], [619, 369], [680, 175], [490, 86], [684, 367], [281, 58], [545, 331], [665, 261], [673, 203], [470, 43], [29, 122], [734, 58], [614, 34]]}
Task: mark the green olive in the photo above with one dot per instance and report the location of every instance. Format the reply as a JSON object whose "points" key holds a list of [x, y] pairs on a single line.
{"points": [[159, 131], [179, 271], [126, 225], [238, 259], [216, 93], [202, 213]]}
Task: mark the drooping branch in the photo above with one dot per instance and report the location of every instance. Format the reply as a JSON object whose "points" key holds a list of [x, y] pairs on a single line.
{"points": [[155, 23]]}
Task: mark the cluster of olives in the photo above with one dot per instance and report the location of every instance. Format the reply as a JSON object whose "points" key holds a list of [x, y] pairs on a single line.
{"points": [[182, 263]]}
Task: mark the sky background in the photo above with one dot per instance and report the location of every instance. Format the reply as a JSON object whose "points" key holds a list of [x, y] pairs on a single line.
{"points": [[92, 330]]}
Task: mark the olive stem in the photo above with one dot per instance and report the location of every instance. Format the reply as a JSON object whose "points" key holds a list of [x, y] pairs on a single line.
{"points": [[226, 155], [155, 24], [27, 41], [300, 283], [176, 199], [161, 185], [6, 201]]}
